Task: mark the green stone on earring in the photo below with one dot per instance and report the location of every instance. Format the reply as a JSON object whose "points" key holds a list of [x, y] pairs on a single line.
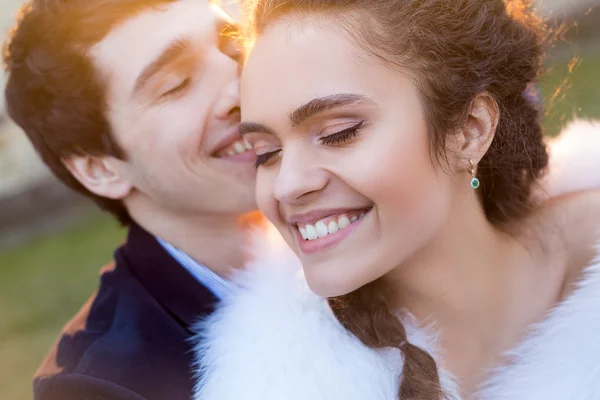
{"points": [[475, 183]]}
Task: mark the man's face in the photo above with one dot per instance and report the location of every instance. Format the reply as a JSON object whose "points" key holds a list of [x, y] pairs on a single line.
{"points": [[171, 78]]}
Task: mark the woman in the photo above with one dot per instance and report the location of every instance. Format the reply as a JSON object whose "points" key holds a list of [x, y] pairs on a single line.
{"points": [[398, 157]]}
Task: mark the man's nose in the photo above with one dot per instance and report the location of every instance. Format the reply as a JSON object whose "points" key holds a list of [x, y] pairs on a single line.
{"points": [[229, 102]]}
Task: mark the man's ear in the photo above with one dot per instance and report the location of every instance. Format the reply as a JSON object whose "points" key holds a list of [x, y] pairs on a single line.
{"points": [[99, 175], [475, 137]]}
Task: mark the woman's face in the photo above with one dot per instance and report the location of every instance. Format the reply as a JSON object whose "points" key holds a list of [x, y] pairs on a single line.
{"points": [[345, 169]]}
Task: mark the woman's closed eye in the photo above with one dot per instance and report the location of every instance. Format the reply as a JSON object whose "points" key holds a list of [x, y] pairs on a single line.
{"points": [[343, 136], [267, 155], [265, 158]]}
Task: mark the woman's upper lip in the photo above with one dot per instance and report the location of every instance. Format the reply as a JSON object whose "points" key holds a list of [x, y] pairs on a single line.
{"points": [[315, 215]]}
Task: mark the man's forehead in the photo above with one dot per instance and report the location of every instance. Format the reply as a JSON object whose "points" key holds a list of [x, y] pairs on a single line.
{"points": [[130, 46]]}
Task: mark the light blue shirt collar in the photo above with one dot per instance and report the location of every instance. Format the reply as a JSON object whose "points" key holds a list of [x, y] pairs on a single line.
{"points": [[213, 282]]}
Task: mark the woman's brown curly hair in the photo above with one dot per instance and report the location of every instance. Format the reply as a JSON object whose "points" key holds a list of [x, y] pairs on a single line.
{"points": [[454, 50]]}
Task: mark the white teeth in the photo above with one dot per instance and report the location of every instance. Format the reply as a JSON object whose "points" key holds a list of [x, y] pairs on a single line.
{"points": [[321, 229], [311, 232], [239, 147], [332, 227], [343, 222], [303, 233]]}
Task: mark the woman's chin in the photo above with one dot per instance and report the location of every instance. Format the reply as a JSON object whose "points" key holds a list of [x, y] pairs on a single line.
{"points": [[327, 282]]}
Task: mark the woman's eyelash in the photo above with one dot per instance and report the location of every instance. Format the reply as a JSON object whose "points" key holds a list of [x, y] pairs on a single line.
{"points": [[337, 138], [343, 136], [263, 158]]}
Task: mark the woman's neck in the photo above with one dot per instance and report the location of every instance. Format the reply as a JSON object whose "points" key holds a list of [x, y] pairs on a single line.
{"points": [[468, 282]]}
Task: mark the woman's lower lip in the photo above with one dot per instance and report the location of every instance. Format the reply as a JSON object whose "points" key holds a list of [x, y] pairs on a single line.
{"points": [[314, 246]]}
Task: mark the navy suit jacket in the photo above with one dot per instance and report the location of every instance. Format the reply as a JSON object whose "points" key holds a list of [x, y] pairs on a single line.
{"points": [[132, 339]]}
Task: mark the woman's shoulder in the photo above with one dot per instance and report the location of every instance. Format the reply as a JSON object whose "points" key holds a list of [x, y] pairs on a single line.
{"points": [[575, 236], [558, 358], [566, 221]]}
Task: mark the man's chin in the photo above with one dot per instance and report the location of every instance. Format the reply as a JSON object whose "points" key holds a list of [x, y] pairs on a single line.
{"points": [[242, 170], [246, 158], [244, 202]]}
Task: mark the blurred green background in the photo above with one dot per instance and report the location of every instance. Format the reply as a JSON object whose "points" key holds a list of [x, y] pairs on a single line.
{"points": [[43, 282], [46, 278]]}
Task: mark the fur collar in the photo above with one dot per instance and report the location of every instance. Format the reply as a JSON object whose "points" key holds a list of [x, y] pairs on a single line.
{"points": [[273, 339]]}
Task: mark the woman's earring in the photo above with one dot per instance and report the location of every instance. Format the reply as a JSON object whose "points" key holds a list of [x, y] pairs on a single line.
{"points": [[474, 180]]}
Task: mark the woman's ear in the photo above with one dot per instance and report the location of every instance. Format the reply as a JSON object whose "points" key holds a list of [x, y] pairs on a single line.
{"points": [[99, 175], [473, 140]]}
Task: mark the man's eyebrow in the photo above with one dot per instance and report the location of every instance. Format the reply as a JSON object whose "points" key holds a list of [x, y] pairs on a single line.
{"points": [[171, 52], [253, 127], [326, 103]]}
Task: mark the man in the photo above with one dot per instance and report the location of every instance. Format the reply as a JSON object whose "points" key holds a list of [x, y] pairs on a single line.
{"points": [[135, 104]]}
